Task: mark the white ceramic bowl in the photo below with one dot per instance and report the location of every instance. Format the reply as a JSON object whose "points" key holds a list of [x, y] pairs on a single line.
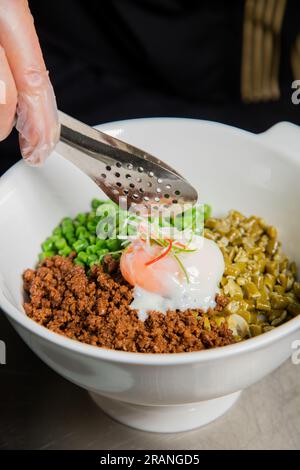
{"points": [[231, 169]]}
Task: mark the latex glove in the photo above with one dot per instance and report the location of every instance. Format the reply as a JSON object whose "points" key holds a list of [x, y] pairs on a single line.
{"points": [[26, 93]]}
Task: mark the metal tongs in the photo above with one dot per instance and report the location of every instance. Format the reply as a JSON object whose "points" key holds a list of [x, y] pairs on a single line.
{"points": [[120, 169]]}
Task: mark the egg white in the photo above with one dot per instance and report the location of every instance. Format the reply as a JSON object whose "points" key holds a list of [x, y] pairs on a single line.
{"points": [[204, 267]]}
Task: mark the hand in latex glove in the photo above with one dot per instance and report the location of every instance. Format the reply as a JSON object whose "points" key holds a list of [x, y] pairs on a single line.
{"points": [[26, 93]]}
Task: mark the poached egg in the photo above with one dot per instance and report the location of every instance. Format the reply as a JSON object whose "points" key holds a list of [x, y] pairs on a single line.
{"points": [[186, 279]]}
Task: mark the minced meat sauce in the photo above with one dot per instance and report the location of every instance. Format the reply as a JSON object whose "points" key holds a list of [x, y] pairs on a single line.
{"points": [[95, 309]]}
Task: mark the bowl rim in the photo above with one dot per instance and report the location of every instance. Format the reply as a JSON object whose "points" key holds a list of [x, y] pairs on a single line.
{"points": [[150, 359]]}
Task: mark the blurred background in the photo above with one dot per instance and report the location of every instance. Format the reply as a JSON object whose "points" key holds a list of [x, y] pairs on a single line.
{"points": [[232, 62]]}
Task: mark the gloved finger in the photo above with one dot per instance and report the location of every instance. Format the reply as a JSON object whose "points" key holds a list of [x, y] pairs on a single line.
{"points": [[37, 117], [8, 97]]}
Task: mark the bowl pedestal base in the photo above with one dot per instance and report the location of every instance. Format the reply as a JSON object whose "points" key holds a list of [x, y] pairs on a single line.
{"points": [[165, 418]]}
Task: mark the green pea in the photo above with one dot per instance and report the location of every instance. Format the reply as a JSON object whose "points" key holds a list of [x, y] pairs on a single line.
{"points": [[102, 253], [69, 234], [60, 243], [191, 218], [91, 250], [131, 230], [65, 251], [67, 220], [80, 230], [91, 258], [84, 237], [92, 226], [82, 256], [66, 228], [91, 215], [92, 239], [70, 238], [81, 218], [107, 209], [92, 263], [46, 254], [48, 245], [100, 244], [96, 203], [57, 231], [78, 262], [107, 228], [80, 245], [113, 244], [68, 231]]}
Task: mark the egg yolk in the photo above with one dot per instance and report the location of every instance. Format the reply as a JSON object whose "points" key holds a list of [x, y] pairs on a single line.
{"points": [[153, 277]]}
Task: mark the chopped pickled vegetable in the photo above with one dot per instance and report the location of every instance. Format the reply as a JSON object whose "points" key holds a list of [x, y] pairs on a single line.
{"points": [[259, 279]]}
